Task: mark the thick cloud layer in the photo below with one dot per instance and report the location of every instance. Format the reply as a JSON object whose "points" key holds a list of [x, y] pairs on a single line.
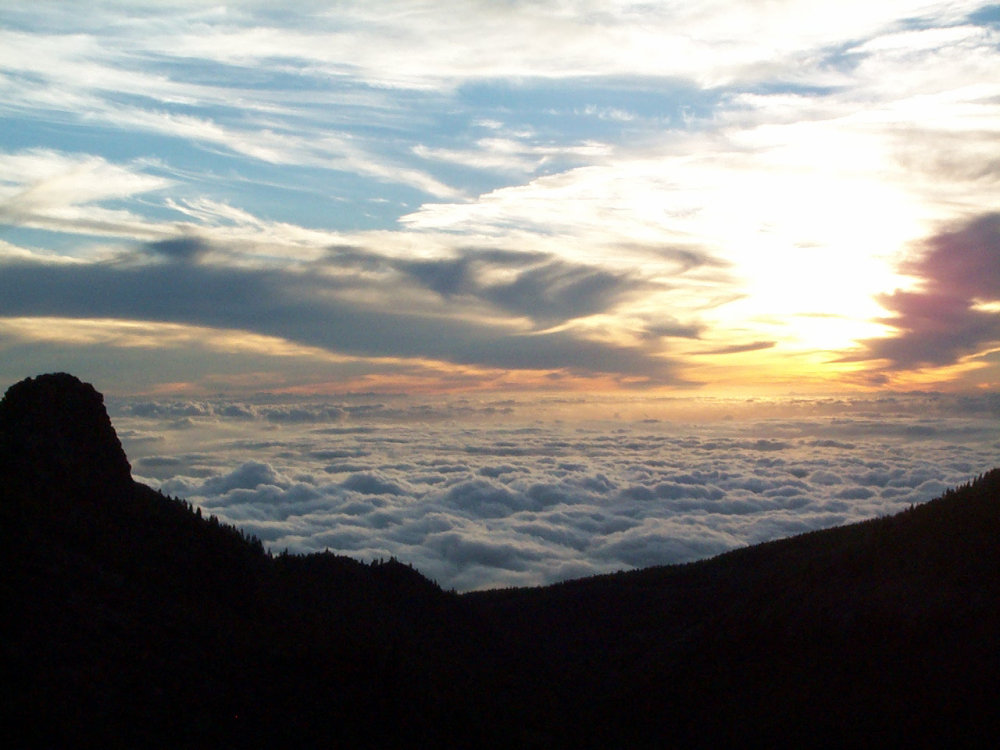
{"points": [[347, 313], [477, 495]]}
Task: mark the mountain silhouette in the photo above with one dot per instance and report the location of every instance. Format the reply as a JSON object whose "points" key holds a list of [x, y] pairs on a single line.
{"points": [[55, 431], [134, 621]]}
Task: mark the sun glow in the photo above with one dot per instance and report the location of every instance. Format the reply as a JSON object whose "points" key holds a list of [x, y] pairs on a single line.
{"points": [[814, 247], [648, 196]]}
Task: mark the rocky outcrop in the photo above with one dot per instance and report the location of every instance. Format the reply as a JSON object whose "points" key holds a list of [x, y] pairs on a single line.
{"points": [[55, 434]]}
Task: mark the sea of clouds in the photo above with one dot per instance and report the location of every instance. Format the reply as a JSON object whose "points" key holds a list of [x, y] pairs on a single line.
{"points": [[499, 493]]}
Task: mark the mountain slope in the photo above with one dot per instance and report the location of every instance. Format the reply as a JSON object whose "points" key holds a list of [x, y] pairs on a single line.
{"points": [[134, 621], [881, 631]]}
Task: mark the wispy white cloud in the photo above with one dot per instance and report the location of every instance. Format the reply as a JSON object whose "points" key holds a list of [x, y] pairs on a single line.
{"points": [[711, 42], [46, 188]]}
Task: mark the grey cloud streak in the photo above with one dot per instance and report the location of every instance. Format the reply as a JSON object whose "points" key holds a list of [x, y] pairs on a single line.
{"points": [[740, 348], [547, 290], [314, 309]]}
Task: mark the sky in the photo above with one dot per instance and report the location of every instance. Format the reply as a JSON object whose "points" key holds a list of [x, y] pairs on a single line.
{"points": [[514, 291], [723, 198]]}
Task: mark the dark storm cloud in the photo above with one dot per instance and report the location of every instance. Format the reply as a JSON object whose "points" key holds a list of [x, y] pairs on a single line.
{"points": [[939, 323], [314, 309]]}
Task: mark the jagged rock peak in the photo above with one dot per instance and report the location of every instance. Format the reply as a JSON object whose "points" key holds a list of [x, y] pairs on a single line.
{"points": [[54, 430]]}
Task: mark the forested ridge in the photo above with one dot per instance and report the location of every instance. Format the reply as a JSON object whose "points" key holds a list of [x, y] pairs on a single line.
{"points": [[134, 621]]}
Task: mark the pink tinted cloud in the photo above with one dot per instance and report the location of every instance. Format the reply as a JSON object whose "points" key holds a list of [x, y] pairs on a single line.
{"points": [[942, 321]]}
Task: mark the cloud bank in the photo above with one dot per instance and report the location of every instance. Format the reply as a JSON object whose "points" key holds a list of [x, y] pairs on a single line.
{"points": [[350, 311], [475, 497]]}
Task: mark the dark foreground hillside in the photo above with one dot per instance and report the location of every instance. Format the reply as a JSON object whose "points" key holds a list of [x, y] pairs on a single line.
{"points": [[130, 620]]}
